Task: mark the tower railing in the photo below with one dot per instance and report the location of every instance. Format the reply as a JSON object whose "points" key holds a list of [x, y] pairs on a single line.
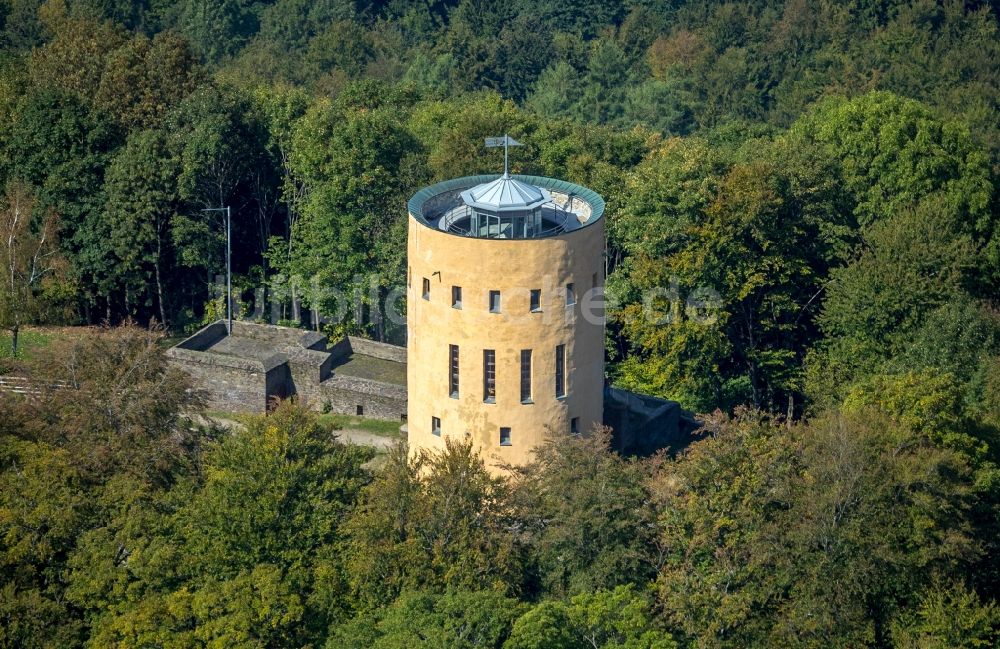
{"points": [[455, 219]]}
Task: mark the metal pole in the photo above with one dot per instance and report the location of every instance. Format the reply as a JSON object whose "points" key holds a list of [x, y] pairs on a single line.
{"points": [[505, 155], [229, 269], [229, 263]]}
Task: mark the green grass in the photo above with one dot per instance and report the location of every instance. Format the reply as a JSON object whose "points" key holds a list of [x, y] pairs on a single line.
{"points": [[169, 341], [28, 342], [239, 417], [381, 427]]}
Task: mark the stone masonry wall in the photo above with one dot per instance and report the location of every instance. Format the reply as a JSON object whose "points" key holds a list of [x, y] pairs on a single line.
{"points": [[205, 337], [377, 350], [301, 366], [279, 336], [345, 393], [341, 349], [229, 384]]}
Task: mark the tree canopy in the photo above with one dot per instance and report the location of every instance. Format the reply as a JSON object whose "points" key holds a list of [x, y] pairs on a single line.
{"points": [[802, 238]]}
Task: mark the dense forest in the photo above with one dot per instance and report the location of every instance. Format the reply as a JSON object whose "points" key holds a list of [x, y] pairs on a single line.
{"points": [[826, 171], [126, 524]]}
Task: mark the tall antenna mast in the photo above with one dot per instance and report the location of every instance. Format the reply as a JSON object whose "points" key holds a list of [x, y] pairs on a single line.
{"points": [[504, 141]]}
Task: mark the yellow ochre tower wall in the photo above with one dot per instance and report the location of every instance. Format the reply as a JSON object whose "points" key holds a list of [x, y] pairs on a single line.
{"points": [[441, 259]]}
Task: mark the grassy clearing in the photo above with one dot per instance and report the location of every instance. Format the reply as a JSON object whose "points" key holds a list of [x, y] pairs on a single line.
{"points": [[28, 342], [32, 339], [380, 427], [239, 417]]}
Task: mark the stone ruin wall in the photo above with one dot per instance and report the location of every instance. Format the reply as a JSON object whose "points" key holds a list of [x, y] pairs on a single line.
{"points": [[302, 368], [227, 383]]}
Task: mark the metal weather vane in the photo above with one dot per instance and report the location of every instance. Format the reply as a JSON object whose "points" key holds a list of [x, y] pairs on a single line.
{"points": [[505, 141]]}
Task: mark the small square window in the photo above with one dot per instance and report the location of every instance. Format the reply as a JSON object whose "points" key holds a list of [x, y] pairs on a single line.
{"points": [[505, 437], [570, 294], [494, 301], [456, 297], [574, 426], [536, 300], [436, 426], [426, 289]]}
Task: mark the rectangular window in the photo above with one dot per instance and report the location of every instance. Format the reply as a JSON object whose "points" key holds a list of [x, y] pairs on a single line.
{"points": [[525, 376], [494, 301], [359, 411], [574, 426], [570, 294], [489, 375], [536, 299], [426, 289], [504, 437], [456, 297], [453, 371], [560, 371], [436, 426]]}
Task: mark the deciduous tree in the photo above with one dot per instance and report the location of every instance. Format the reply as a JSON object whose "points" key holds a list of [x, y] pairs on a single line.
{"points": [[34, 271]]}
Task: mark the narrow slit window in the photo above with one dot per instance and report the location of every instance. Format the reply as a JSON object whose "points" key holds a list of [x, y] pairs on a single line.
{"points": [[505, 436], [494, 301], [453, 371], [570, 294], [426, 289], [436, 426], [560, 371], [536, 300], [456, 297], [489, 375], [525, 376]]}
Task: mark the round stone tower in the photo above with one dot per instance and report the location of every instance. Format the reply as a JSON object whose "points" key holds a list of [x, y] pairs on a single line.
{"points": [[504, 313]]}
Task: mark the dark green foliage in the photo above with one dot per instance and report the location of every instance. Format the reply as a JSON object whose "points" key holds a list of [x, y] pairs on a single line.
{"points": [[460, 619], [603, 618], [437, 522], [801, 218], [217, 28], [894, 152], [121, 523], [589, 519], [724, 260], [243, 552], [948, 616], [352, 161], [69, 459], [773, 537]]}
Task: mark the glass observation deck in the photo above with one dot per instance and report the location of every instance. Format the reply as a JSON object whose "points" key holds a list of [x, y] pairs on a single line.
{"points": [[543, 221], [506, 207]]}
